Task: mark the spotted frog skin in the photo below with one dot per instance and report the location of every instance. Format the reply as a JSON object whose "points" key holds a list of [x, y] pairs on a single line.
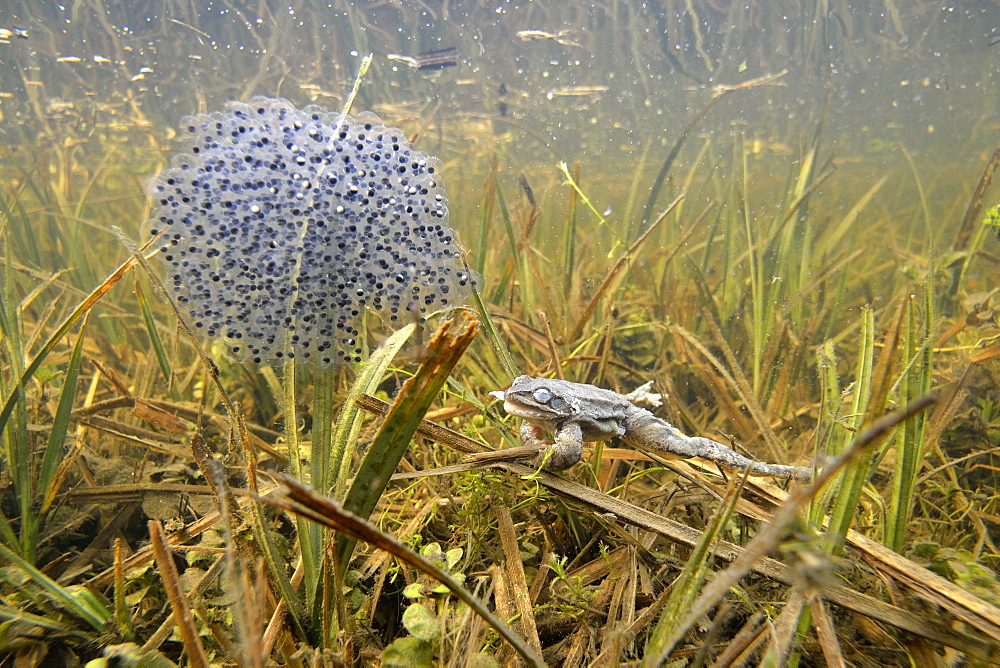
{"points": [[575, 412]]}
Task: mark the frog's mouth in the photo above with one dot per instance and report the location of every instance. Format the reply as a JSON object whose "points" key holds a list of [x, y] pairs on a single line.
{"points": [[517, 409]]}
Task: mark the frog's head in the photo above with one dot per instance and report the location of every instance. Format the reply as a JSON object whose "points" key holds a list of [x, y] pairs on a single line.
{"points": [[534, 399]]}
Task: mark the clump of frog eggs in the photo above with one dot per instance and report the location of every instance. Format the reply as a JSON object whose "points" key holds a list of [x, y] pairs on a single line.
{"points": [[278, 227]]}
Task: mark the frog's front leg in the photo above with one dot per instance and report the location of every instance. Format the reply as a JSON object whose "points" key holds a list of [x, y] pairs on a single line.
{"points": [[532, 434], [564, 452]]}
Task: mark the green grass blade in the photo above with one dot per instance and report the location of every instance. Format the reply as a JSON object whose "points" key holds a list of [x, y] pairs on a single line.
{"points": [[830, 436], [619, 243], [84, 605], [689, 584], [25, 249], [17, 440], [507, 225], [493, 336], [342, 442], [854, 474], [88, 302], [60, 424], [320, 452], [393, 439], [907, 451], [345, 434], [915, 381], [264, 534], [485, 214], [569, 241], [833, 240], [44, 621], [309, 538], [320, 456], [156, 341], [7, 533], [759, 297]]}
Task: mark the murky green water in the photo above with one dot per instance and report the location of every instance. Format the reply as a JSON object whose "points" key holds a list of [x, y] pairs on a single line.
{"points": [[91, 93], [770, 209]]}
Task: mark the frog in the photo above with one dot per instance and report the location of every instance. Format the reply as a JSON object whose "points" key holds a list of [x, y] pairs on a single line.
{"points": [[577, 412]]}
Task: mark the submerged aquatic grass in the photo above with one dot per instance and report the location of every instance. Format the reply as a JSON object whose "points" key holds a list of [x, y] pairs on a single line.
{"points": [[802, 287], [731, 383]]}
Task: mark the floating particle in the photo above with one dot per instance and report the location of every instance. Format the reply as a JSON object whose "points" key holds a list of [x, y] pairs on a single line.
{"points": [[278, 227]]}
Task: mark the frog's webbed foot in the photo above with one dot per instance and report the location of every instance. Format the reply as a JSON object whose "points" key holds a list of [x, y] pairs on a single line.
{"points": [[566, 451]]}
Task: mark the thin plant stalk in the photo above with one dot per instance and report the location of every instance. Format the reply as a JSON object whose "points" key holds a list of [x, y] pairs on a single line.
{"points": [[309, 549], [263, 532], [758, 300], [320, 476], [156, 341], [569, 238], [178, 600], [485, 217], [517, 258], [612, 273], [493, 336]]}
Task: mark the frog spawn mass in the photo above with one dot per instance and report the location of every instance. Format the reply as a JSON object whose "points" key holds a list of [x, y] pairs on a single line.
{"points": [[278, 227]]}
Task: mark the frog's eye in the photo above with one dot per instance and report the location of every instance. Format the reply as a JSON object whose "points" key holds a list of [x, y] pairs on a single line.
{"points": [[541, 395]]}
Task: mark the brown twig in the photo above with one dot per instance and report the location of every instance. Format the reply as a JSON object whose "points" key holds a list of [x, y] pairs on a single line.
{"points": [[175, 593]]}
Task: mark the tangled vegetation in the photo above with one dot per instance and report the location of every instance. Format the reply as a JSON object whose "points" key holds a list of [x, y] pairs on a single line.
{"points": [[811, 291]]}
